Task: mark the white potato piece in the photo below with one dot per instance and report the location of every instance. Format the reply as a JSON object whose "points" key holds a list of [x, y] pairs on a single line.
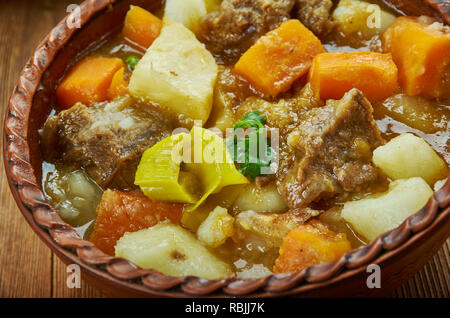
{"points": [[176, 72], [188, 12], [408, 156], [373, 216], [359, 16], [216, 228], [265, 199], [171, 250]]}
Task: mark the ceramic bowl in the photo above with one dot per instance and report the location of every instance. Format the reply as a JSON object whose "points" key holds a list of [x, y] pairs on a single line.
{"points": [[400, 252]]}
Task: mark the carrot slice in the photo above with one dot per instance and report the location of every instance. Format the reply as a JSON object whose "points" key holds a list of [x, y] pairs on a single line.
{"points": [[88, 81], [421, 49], [310, 244], [119, 87], [333, 74], [120, 212], [141, 27], [280, 57]]}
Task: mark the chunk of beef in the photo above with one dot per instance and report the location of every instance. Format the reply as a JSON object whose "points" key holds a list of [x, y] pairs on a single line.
{"points": [[236, 26], [332, 151], [107, 139], [315, 15]]}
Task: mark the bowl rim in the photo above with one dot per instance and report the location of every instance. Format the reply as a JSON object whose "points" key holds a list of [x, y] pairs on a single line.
{"points": [[67, 244]]}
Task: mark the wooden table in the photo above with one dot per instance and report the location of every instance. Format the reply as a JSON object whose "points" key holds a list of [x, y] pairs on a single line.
{"points": [[27, 267]]}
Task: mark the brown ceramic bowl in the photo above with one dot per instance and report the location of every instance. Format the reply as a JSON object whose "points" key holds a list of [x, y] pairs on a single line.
{"points": [[400, 252]]}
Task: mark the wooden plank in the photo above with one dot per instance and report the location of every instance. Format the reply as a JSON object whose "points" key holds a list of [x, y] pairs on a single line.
{"points": [[27, 267]]}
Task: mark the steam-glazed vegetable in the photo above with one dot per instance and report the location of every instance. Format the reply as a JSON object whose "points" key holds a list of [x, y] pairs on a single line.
{"points": [[334, 74], [244, 138], [421, 49], [141, 27], [189, 12], [207, 168], [171, 250], [375, 215], [176, 72], [361, 19], [279, 58], [88, 81], [217, 227], [309, 244], [408, 156], [74, 194]]}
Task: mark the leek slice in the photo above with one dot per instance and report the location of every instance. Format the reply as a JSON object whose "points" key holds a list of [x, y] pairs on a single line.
{"points": [[206, 171], [158, 174]]}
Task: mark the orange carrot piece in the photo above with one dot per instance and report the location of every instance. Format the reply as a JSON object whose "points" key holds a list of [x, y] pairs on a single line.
{"points": [[421, 49], [310, 244], [119, 87], [141, 27], [88, 81], [280, 57], [333, 74], [120, 212]]}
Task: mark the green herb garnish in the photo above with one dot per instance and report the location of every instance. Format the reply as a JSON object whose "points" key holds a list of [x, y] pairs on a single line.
{"points": [[132, 61], [248, 159]]}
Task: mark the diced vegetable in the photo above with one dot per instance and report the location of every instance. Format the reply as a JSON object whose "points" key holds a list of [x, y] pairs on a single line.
{"points": [[361, 18], [415, 111], [421, 49], [310, 244], [223, 198], [177, 72], [207, 168], [188, 12], [88, 81], [158, 173], [132, 61], [171, 250], [119, 87], [216, 168], [120, 212], [280, 57], [74, 195], [333, 74], [408, 156], [217, 228], [373, 216], [141, 27], [260, 199]]}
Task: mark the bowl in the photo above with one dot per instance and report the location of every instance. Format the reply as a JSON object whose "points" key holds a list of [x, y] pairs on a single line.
{"points": [[400, 253]]}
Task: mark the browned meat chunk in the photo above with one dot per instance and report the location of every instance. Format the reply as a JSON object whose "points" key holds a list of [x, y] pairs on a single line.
{"points": [[107, 140], [315, 15], [332, 151], [231, 30]]}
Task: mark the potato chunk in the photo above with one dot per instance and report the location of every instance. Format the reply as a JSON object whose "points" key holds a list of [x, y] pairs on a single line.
{"points": [[408, 156], [373, 216], [217, 227], [176, 72], [261, 199], [171, 250], [188, 12], [310, 244], [364, 18]]}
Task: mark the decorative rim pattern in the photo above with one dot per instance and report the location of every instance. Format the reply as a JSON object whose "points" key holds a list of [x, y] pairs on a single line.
{"points": [[45, 220]]}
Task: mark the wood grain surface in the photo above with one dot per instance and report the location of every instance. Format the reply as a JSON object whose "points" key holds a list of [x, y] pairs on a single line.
{"points": [[27, 267]]}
